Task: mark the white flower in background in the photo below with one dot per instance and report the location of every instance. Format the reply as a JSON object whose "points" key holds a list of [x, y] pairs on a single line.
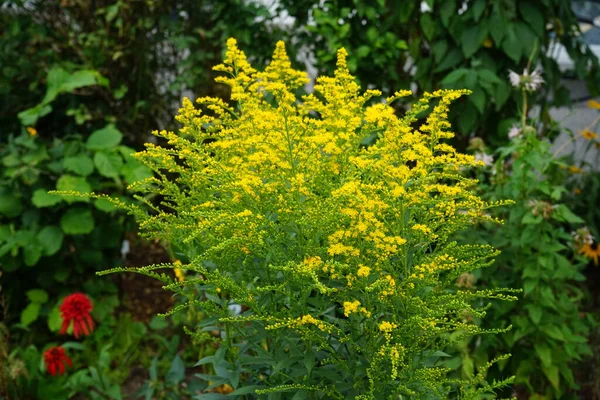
{"points": [[487, 159], [528, 81], [425, 8], [583, 236], [514, 131]]}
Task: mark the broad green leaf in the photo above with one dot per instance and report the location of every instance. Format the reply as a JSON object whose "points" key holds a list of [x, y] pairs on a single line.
{"points": [[534, 17], [54, 319], [108, 164], [455, 76], [453, 57], [497, 27], [41, 198], [32, 252], [37, 296], [105, 205], [471, 40], [447, 11], [105, 138], [72, 183], [77, 221], [478, 7], [477, 98], [30, 313], [10, 205], [80, 164], [30, 116], [51, 239], [512, 45], [135, 171], [427, 25]]}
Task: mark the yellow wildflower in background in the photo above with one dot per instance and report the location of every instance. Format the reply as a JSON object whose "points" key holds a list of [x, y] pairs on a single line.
{"points": [[32, 131], [587, 134]]}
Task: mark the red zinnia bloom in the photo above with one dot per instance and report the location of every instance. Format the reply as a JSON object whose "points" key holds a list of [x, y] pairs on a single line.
{"points": [[76, 307], [55, 359]]}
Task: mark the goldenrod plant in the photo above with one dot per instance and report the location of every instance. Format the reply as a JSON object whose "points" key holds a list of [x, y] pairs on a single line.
{"points": [[317, 232]]}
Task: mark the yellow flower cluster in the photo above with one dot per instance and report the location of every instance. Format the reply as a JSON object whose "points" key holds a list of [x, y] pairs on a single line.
{"points": [[321, 205]]}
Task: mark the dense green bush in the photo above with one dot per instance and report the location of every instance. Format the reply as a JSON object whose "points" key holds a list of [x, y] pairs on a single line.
{"points": [[449, 44], [549, 338], [149, 51]]}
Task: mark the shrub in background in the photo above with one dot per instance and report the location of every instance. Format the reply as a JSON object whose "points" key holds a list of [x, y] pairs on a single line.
{"points": [[539, 254], [449, 44], [327, 222]]}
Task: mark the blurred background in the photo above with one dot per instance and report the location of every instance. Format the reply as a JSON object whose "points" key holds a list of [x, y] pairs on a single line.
{"points": [[84, 82]]}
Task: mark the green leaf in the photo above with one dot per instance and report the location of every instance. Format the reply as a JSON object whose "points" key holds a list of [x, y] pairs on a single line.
{"points": [[512, 45], [544, 353], [487, 75], [30, 313], [535, 313], [447, 11], [41, 198], [497, 27], [455, 76], [77, 221], [10, 206], [471, 40], [32, 252], [439, 49], [135, 171], [552, 373], [453, 57], [54, 319], [428, 25], [529, 285], [105, 138], [478, 8], [37, 296], [51, 239], [30, 116], [108, 164], [563, 213], [105, 205], [80, 164], [477, 98], [533, 16], [176, 371], [72, 183], [554, 332]]}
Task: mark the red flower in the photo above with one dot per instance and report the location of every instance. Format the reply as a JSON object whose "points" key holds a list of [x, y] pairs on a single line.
{"points": [[55, 359], [76, 307]]}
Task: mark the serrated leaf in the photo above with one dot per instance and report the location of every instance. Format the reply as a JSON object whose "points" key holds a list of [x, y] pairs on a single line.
{"points": [[41, 198], [105, 138], [77, 221]]}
